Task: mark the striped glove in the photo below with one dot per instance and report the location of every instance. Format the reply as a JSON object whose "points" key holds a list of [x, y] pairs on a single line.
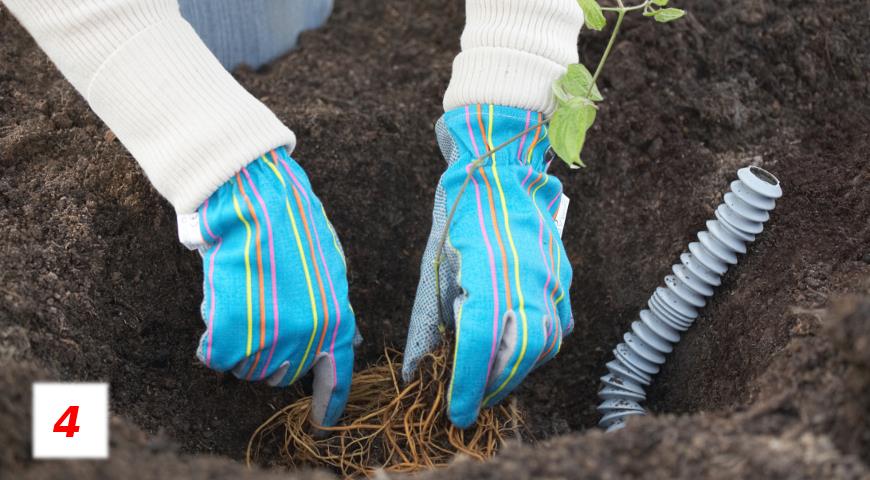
{"points": [[504, 277], [276, 300]]}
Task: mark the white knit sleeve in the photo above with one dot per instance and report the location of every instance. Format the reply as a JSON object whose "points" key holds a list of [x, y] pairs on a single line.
{"points": [[512, 51], [147, 74]]}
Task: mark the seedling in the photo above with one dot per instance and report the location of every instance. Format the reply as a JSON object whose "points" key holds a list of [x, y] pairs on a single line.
{"points": [[577, 96]]}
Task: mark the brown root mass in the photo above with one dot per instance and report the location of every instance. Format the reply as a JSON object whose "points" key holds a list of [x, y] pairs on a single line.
{"points": [[387, 425]]}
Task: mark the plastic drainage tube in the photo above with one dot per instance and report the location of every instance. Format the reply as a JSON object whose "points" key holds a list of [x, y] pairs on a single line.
{"points": [[672, 309]]}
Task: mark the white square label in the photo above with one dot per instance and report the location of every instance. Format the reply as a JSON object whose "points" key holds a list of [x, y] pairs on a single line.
{"points": [[70, 420], [562, 213]]}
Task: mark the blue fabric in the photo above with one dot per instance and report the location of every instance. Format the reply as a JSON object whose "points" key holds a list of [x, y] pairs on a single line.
{"points": [[276, 296], [506, 277], [252, 32]]}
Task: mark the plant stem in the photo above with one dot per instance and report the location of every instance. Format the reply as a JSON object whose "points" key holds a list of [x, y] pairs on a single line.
{"points": [[441, 241], [626, 9], [610, 43]]}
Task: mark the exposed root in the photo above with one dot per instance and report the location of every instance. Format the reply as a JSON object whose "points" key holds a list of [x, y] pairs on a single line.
{"points": [[386, 425]]}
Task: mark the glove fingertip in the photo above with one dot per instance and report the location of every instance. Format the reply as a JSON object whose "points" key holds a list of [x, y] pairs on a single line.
{"points": [[331, 389], [462, 416], [423, 337], [276, 379], [409, 366]]}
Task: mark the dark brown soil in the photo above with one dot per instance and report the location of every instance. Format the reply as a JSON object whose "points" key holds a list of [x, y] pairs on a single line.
{"points": [[773, 381]]}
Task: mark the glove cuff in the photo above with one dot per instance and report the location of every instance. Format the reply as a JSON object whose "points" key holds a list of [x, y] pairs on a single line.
{"points": [[189, 227], [467, 132], [513, 51]]}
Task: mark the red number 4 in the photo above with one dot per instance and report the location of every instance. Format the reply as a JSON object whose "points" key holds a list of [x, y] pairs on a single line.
{"points": [[70, 428]]}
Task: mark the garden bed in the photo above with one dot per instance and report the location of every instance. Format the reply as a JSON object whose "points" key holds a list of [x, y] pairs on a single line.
{"points": [[773, 380]]}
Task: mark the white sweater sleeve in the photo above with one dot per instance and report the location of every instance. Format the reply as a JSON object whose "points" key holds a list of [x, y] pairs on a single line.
{"points": [[147, 74], [512, 51]]}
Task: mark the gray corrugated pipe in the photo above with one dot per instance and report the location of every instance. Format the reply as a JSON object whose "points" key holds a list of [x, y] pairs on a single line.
{"points": [[673, 308]]}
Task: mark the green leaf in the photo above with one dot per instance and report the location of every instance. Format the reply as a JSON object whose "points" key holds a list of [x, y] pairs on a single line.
{"points": [[669, 14], [561, 96], [576, 82], [568, 129], [660, 3], [593, 14]]}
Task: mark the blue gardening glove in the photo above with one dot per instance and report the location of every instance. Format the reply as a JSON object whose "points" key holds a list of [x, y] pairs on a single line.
{"points": [[504, 274], [275, 287]]}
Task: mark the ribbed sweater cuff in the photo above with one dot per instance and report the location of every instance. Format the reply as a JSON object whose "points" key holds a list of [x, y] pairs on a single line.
{"points": [[146, 73], [186, 120], [513, 51]]}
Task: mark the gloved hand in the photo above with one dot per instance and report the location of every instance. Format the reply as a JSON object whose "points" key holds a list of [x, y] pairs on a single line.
{"points": [[275, 289], [504, 275]]}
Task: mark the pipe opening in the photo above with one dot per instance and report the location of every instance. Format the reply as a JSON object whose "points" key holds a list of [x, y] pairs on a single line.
{"points": [[764, 175]]}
